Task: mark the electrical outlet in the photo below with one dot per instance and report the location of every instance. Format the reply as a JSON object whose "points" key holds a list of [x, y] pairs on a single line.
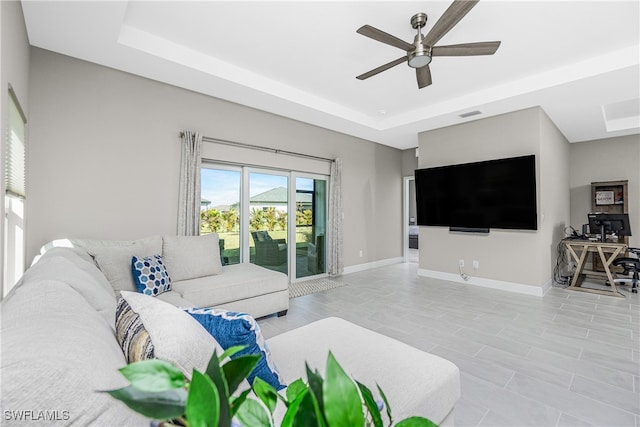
{"points": [[476, 264], [461, 262], [360, 254]]}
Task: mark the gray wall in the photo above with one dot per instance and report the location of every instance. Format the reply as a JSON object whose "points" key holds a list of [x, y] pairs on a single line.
{"points": [[409, 162], [610, 159], [409, 165], [105, 157], [520, 257], [14, 71], [553, 214]]}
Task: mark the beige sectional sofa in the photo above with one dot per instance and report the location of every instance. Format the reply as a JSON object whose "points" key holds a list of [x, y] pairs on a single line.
{"points": [[59, 347], [198, 277]]}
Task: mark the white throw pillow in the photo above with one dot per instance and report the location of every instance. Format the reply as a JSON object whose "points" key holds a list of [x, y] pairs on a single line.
{"points": [[176, 336], [190, 257]]}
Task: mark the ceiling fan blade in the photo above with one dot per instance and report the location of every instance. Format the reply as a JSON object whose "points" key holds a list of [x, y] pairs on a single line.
{"points": [[424, 76], [381, 36], [381, 68], [466, 49], [451, 16]]}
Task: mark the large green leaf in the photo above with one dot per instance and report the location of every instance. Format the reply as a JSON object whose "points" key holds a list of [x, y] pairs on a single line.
{"points": [[253, 414], [371, 404], [266, 393], [416, 422], [386, 404], [162, 405], [203, 402], [342, 404], [295, 400], [229, 352], [153, 375], [302, 407], [236, 402], [214, 372], [308, 413], [315, 385], [294, 390], [236, 370]]}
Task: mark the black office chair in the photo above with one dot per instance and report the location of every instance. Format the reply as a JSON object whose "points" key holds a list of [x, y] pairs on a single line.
{"points": [[630, 265]]}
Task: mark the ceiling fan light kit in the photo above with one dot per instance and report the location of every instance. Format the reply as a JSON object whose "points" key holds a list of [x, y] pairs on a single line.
{"points": [[419, 53], [419, 59]]}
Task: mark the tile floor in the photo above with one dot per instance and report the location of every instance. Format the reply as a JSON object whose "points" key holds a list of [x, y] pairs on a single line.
{"points": [[567, 359]]}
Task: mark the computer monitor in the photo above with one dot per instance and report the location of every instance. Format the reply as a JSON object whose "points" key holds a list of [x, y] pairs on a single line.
{"points": [[609, 223]]}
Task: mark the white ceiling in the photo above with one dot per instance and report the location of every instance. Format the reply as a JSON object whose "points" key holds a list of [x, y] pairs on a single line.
{"points": [[578, 60]]}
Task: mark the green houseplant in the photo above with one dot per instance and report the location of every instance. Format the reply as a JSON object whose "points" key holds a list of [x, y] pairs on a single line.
{"points": [[159, 391]]}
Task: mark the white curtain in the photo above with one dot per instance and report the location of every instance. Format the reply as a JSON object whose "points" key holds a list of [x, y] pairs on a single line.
{"points": [[335, 264], [189, 192]]}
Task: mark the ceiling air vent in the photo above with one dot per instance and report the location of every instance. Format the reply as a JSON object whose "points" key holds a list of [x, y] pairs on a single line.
{"points": [[469, 114]]}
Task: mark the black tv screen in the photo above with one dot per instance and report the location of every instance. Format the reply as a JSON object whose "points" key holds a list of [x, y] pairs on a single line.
{"points": [[491, 194]]}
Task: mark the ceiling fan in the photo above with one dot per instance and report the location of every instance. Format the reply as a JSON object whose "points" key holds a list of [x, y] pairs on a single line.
{"points": [[420, 52]]}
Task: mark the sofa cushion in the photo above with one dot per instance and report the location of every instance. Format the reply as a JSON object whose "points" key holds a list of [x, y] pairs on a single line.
{"points": [[150, 275], [176, 336], [230, 329], [57, 352], [176, 299], [237, 282], [67, 266], [113, 257], [190, 257], [65, 244]]}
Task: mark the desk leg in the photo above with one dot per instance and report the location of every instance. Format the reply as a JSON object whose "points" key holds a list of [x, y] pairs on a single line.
{"points": [[575, 282], [607, 263]]}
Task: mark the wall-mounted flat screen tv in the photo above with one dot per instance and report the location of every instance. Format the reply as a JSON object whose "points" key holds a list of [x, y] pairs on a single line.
{"points": [[482, 195]]}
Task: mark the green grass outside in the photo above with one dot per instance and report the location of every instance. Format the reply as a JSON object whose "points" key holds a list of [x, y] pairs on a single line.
{"points": [[232, 242]]}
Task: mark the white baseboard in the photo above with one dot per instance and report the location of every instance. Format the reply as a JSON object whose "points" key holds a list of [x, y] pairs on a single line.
{"points": [[548, 285], [520, 288], [369, 265]]}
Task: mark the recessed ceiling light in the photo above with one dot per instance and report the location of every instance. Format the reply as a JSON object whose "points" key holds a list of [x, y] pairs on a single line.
{"points": [[382, 112]]}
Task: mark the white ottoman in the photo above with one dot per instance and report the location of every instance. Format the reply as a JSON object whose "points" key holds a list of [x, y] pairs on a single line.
{"points": [[415, 382]]}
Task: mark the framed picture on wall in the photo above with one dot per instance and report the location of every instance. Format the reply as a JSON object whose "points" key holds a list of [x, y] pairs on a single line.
{"points": [[604, 198]]}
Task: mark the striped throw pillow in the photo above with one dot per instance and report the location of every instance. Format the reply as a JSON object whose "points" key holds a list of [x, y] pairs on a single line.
{"points": [[131, 334]]}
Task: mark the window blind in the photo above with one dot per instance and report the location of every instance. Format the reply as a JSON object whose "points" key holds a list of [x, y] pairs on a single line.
{"points": [[15, 159]]}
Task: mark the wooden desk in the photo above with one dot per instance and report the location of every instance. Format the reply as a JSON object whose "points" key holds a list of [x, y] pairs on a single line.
{"points": [[607, 251]]}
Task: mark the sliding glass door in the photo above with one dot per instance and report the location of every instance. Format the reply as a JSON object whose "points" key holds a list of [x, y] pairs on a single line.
{"points": [[220, 209], [272, 218], [268, 206], [310, 231]]}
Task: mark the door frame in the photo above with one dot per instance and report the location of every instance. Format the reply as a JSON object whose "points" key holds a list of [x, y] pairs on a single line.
{"points": [[292, 230], [405, 216]]}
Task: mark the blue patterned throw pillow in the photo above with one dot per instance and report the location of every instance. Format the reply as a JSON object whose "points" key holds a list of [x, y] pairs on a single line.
{"points": [[231, 328], [150, 275]]}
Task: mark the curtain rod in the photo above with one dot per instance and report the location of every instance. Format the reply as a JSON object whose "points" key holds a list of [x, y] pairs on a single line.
{"points": [[260, 147]]}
